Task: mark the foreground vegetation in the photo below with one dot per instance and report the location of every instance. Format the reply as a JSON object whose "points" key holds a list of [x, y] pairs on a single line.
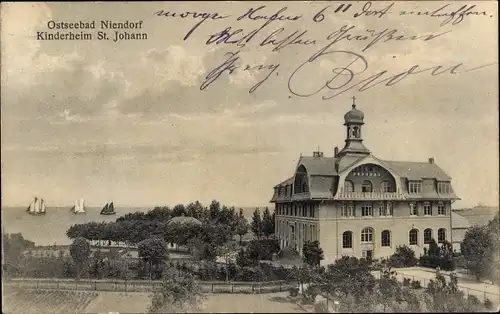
{"points": [[350, 281], [45, 301]]}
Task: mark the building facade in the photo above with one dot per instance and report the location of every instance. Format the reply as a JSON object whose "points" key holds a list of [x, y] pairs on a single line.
{"points": [[355, 204]]}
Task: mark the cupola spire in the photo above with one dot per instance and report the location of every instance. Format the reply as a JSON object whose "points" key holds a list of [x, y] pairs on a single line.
{"points": [[354, 120]]}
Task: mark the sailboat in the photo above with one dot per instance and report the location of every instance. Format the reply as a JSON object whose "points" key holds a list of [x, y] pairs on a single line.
{"points": [[109, 209], [37, 207], [79, 207]]}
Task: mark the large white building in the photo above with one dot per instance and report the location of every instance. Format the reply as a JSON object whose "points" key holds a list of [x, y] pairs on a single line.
{"points": [[356, 204]]}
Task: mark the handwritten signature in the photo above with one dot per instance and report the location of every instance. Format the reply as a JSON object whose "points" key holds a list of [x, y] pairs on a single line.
{"points": [[344, 78]]}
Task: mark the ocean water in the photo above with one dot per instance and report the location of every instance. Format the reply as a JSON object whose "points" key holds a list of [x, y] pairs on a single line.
{"points": [[51, 228]]}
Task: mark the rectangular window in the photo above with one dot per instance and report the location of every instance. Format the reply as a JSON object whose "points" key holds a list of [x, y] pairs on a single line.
{"points": [[295, 210], [427, 209], [413, 209], [414, 187], [444, 188], [441, 209], [385, 210], [347, 211], [367, 210]]}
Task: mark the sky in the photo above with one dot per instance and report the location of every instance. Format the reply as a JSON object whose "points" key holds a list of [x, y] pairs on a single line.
{"points": [[127, 121]]}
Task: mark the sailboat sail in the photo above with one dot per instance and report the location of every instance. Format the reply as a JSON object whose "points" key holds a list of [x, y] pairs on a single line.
{"points": [[79, 207], [108, 209], [36, 207], [42, 206], [104, 209]]}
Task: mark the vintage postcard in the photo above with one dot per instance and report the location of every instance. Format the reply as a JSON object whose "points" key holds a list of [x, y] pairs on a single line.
{"points": [[250, 156]]}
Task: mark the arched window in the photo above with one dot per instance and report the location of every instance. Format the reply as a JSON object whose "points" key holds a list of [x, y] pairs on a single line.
{"points": [[413, 237], [304, 187], [348, 186], [347, 240], [367, 235], [441, 235], [385, 238], [385, 187], [427, 236], [367, 186]]}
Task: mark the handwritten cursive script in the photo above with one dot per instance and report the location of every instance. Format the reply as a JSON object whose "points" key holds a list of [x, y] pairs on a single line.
{"points": [[345, 75]]}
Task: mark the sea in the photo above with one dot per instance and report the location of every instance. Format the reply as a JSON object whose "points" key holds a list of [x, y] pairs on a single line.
{"points": [[50, 229]]}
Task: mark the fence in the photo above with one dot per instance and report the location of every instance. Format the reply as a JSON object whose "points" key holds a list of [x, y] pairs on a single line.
{"points": [[147, 286], [482, 295]]}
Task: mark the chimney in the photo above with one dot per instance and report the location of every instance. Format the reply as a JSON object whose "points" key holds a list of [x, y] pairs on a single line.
{"points": [[318, 154], [336, 151], [431, 160]]}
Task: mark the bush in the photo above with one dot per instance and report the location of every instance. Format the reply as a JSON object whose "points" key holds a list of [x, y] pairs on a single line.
{"points": [[403, 257], [415, 284], [293, 291], [488, 304], [263, 249], [320, 307], [406, 282]]}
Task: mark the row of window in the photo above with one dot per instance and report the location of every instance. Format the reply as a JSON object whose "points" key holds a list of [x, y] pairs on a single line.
{"points": [[427, 209], [385, 237], [367, 186], [415, 187], [297, 209], [306, 232], [387, 209]]}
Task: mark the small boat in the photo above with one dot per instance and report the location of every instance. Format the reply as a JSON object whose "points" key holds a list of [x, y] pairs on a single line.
{"points": [[109, 209], [37, 207], [79, 207]]}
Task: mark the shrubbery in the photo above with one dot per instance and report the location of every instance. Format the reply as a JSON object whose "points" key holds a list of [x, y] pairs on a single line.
{"points": [[403, 257], [438, 256]]}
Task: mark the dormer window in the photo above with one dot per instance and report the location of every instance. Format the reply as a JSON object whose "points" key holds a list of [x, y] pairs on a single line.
{"points": [[386, 187], [443, 187], [367, 186], [348, 186], [414, 187]]}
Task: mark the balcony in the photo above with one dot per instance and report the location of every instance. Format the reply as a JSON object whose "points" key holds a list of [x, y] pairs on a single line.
{"points": [[369, 196]]}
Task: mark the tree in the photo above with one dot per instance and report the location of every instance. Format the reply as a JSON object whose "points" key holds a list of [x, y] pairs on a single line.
{"points": [[267, 223], [179, 210], [477, 250], [313, 253], [403, 257], [256, 224], [178, 293], [242, 224], [80, 252], [227, 252], [153, 252]]}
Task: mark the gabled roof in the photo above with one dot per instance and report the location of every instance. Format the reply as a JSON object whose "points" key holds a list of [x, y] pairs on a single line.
{"points": [[286, 182], [324, 166], [184, 220], [417, 170], [459, 222]]}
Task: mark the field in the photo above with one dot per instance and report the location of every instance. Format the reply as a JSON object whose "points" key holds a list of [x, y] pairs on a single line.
{"points": [[45, 301], [65, 301]]}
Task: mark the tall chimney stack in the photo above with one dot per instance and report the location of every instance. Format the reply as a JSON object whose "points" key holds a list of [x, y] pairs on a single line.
{"points": [[431, 160], [336, 151]]}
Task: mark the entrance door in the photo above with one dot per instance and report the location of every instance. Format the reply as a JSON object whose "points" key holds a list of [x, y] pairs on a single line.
{"points": [[369, 255]]}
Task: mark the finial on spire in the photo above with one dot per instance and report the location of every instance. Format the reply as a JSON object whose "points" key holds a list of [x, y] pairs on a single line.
{"points": [[353, 102]]}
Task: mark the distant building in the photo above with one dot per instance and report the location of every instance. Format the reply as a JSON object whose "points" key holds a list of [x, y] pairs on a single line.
{"points": [[181, 220], [459, 225], [358, 205]]}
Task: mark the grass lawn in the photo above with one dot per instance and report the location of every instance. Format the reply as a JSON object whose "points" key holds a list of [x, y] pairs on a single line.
{"points": [[249, 303], [66, 301]]}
